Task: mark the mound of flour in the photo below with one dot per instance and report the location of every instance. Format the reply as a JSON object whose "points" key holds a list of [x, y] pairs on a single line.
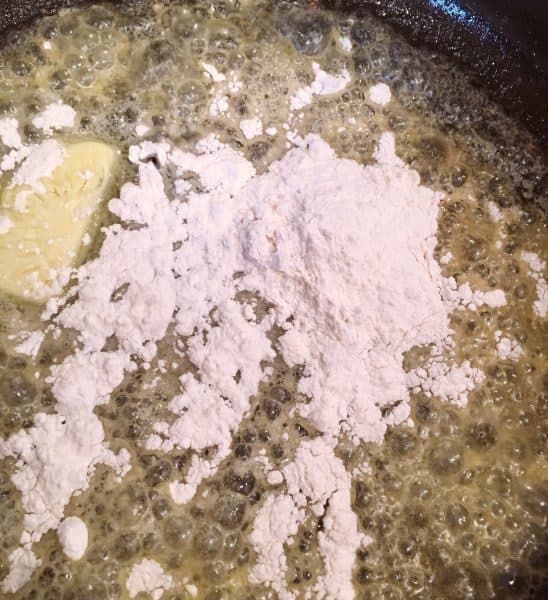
{"points": [[343, 253]]}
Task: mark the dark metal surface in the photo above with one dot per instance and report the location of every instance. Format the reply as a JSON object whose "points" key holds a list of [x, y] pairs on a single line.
{"points": [[501, 44], [14, 13]]}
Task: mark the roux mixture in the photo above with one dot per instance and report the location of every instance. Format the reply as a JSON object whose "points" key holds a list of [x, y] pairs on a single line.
{"points": [[456, 504]]}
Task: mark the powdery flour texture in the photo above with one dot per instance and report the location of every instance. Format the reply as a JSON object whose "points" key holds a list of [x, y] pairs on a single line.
{"points": [[343, 253]]}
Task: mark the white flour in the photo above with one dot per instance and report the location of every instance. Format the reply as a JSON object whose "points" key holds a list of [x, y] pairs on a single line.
{"points": [[286, 232], [148, 577], [274, 477], [494, 211], [14, 157], [507, 348], [40, 163], [10, 137], [221, 90], [537, 267], [73, 536], [251, 127], [31, 344], [23, 562], [345, 43], [353, 286], [534, 262], [55, 116], [324, 84], [318, 478], [380, 94], [44, 477], [277, 521], [9, 132], [219, 105], [141, 129], [446, 258], [449, 382], [213, 73]]}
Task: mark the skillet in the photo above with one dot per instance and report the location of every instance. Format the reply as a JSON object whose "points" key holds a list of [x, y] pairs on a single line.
{"points": [[506, 56]]}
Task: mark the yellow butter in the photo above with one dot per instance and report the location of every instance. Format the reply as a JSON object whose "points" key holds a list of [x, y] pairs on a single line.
{"points": [[48, 218]]}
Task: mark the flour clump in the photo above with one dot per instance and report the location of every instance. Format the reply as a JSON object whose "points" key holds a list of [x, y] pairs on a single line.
{"points": [[148, 577], [344, 256], [55, 116], [73, 535]]}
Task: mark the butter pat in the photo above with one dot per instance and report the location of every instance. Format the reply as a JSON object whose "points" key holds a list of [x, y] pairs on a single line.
{"points": [[50, 204]]}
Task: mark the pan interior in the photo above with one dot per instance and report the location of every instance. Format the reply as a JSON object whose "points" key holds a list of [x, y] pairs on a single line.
{"points": [[456, 502]]}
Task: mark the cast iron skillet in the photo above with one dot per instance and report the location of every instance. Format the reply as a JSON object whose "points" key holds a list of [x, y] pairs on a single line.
{"points": [[501, 44]]}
